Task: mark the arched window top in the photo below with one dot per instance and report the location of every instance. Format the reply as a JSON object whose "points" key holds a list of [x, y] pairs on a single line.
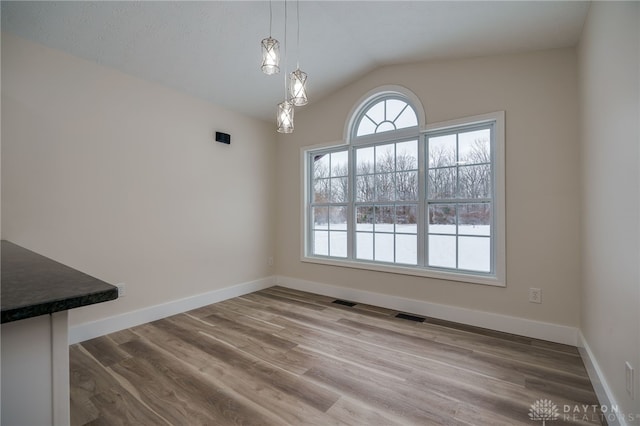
{"points": [[383, 112]]}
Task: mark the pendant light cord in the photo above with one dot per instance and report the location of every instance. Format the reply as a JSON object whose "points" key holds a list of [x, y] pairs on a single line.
{"points": [[285, 51], [270, 18], [298, 41]]}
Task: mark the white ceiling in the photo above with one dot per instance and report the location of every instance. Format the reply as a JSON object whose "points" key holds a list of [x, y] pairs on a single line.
{"points": [[212, 49]]}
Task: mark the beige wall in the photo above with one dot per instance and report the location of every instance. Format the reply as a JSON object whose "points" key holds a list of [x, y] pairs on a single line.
{"points": [[121, 178], [610, 113], [538, 91]]}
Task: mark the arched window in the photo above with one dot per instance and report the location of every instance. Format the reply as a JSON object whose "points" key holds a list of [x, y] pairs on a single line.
{"points": [[385, 114], [401, 198]]}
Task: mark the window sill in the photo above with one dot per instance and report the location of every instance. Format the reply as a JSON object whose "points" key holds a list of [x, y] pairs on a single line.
{"points": [[407, 270]]}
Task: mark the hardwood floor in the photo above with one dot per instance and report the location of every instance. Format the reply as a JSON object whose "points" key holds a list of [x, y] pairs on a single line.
{"points": [[284, 357]]}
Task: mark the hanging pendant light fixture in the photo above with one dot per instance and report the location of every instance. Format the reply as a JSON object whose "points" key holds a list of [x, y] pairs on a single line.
{"points": [[297, 86], [270, 51], [295, 91], [270, 56], [284, 117], [298, 78]]}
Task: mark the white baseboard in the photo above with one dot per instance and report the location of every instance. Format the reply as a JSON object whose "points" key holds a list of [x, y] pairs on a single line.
{"points": [[508, 324], [600, 386], [89, 330], [505, 323]]}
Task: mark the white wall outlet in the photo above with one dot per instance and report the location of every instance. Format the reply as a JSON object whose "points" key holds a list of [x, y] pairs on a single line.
{"points": [[535, 295], [270, 261], [122, 290], [628, 373]]}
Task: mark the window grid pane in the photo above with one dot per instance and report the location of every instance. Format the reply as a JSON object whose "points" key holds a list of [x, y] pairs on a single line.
{"points": [[459, 200], [385, 175], [395, 225], [364, 245], [385, 115], [329, 198]]}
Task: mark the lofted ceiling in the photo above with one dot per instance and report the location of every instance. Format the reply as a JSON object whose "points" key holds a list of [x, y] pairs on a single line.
{"points": [[211, 49]]}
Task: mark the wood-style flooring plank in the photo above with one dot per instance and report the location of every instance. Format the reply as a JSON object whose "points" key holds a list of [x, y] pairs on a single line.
{"points": [[349, 411], [173, 391], [286, 357], [99, 394], [233, 366], [105, 350]]}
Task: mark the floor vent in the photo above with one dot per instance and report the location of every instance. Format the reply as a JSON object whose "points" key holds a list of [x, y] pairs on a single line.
{"points": [[410, 317], [344, 303]]}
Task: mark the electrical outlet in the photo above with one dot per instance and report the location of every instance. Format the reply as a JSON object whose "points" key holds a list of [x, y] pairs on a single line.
{"points": [[628, 373], [535, 295], [122, 291], [270, 261]]}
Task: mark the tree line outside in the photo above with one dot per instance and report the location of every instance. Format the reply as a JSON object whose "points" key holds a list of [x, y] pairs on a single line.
{"points": [[392, 178]]}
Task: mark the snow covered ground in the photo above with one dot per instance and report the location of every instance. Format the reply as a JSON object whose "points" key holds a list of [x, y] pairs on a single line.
{"points": [[472, 246]]}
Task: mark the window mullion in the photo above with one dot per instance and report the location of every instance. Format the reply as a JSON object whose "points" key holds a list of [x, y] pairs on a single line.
{"points": [[422, 201], [457, 196], [309, 245], [351, 198]]}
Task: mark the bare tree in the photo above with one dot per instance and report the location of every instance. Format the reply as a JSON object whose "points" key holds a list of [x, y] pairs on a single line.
{"points": [[474, 179], [321, 183], [327, 188], [465, 177], [340, 184], [394, 177], [442, 176], [406, 177]]}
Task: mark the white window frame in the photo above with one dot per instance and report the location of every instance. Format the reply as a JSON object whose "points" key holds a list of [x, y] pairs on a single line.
{"points": [[497, 278]]}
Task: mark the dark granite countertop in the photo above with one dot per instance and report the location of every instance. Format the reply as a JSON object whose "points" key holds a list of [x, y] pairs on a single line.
{"points": [[34, 285]]}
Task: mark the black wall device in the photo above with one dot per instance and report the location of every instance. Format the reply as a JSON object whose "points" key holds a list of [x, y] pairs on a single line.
{"points": [[223, 137]]}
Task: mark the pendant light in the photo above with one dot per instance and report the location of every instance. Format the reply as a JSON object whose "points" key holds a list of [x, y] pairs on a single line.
{"points": [[298, 78], [270, 51], [297, 86], [284, 116]]}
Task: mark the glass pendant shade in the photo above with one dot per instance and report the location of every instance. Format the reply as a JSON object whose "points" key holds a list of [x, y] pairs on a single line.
{"points": [[270, 56], [285, 117], [298, 87]]}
